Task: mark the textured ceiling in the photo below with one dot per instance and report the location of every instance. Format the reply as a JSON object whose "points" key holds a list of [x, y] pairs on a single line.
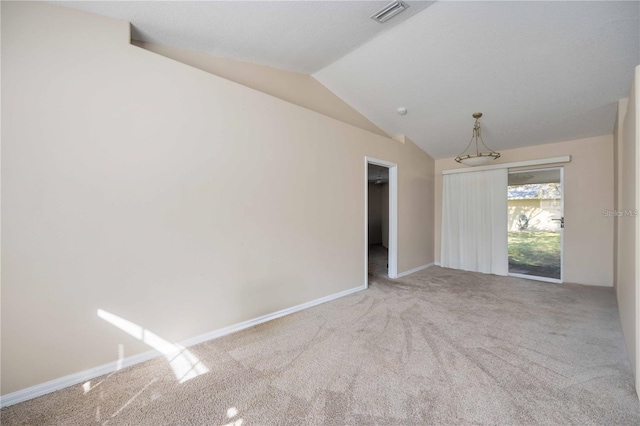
{"points": [[539, 71], [302, 36]]}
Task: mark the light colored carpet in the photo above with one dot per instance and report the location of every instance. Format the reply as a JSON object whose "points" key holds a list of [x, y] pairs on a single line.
{"points": [[437, 347]]}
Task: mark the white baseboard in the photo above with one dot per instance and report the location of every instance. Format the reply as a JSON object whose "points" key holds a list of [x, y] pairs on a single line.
{"points": [[75, 378], [250, 323], [411, 271], [436, 263], [83, 376]]}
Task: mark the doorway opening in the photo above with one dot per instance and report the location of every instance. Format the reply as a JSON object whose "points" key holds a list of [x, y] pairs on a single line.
{"points": [[381, 192], [536, 224]]}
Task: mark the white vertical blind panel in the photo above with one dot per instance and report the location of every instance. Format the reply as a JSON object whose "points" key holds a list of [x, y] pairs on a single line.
{"points": [[474, 222]]}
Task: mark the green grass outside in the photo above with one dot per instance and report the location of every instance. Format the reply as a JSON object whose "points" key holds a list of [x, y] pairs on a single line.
{"points": [[539, 249]]}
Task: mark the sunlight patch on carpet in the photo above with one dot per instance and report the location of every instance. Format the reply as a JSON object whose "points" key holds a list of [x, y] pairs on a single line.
{"points": [[184, 364]]}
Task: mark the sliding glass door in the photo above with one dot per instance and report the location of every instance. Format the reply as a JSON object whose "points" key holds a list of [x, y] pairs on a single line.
{"points": [[535, 224]]}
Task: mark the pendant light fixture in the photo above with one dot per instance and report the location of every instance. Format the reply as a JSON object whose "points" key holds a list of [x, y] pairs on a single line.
{"points": [[477, 158]]}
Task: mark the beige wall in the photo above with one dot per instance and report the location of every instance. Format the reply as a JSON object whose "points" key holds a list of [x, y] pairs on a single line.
{"points": [[617, 170], [300, 89], [171, 197], [627, 285], [588, 188], [416, 205]]}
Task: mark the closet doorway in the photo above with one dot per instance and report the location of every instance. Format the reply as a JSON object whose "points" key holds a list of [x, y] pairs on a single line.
{"points": [[381, 218]]}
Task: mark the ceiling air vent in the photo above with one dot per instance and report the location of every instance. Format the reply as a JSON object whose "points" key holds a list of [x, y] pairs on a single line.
{"points": [[389, 11]]}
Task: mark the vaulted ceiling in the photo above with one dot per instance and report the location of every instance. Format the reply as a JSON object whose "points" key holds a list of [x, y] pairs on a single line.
{"points": [[539, 71], [302, 36]]}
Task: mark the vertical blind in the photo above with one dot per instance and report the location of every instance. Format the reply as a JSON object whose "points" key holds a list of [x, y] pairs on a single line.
{"points": [[474, 222]]}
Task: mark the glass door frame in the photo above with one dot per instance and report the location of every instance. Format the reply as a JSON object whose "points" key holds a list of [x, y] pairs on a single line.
{"points": [[533, 277]]}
